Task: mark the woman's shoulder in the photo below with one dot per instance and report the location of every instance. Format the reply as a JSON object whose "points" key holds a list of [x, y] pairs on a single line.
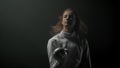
{"points": [[54, 38], [85, 43]]}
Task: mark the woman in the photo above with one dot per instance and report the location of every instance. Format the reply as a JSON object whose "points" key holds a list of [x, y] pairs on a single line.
{"points": [[68, 48]]}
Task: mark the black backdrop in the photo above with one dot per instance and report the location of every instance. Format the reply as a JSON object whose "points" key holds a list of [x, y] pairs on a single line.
{"points": [[25, 26]]}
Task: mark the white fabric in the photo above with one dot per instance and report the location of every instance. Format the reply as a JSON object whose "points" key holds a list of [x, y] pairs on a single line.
{"points": [[72, 43]]}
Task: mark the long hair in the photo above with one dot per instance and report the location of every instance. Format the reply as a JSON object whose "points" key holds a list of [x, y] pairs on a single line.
{"points": [[79, 27]]}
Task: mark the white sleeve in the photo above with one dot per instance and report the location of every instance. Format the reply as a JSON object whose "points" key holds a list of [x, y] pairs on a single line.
{"points": [[51, 46], [86, 55]]}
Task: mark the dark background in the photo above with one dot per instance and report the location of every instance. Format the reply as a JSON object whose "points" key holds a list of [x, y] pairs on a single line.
{"points": [[25, 26]]}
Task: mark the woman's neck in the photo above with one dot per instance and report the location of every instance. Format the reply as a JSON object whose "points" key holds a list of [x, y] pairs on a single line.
{"points": [[65, 29]]}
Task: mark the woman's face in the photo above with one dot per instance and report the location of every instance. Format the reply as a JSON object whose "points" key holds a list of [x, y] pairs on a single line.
{"points": [[68, 20]]}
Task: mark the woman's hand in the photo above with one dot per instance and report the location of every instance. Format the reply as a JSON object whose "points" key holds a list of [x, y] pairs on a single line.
{"points": [[60, 53]]}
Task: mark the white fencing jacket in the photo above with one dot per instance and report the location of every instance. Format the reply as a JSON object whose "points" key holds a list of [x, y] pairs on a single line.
{"points": [[78, 56]]}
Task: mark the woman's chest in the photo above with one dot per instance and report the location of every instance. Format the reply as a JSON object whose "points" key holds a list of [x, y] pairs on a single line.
{"points": [[74, 49], [65, 43]]}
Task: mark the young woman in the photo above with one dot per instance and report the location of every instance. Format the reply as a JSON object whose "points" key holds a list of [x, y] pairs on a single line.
{"points": [[68, 48]]}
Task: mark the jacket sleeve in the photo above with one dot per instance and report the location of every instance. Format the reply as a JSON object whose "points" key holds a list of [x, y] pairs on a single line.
{"points": [[51, 46], [86, 61]]}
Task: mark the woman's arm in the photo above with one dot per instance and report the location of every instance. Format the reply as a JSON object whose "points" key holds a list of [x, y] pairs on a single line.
{"points": [[52, 53], [86, 60]]}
